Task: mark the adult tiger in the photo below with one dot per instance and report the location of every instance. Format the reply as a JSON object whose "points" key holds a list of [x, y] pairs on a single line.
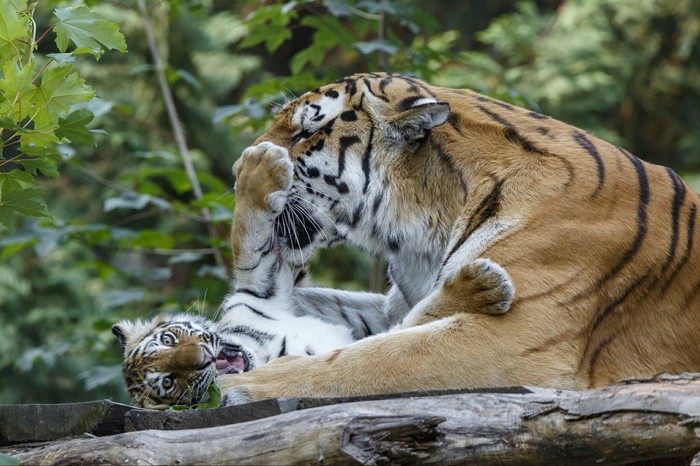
{"points": [[600, 245], [172, 359]]}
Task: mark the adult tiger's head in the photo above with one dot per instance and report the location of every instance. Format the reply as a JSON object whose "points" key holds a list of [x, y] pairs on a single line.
{"points": [[351, 143], [172, 359]]}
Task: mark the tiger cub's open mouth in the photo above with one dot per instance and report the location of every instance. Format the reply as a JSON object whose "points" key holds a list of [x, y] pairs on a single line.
{"points": [[232, 360]]}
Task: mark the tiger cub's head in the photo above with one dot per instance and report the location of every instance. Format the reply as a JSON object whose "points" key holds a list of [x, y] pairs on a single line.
{"points": [[354, 178], [172, 359]]}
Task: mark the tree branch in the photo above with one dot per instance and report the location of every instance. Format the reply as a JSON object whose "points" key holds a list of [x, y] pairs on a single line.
{"points": [[176, 125], [615, 425]]}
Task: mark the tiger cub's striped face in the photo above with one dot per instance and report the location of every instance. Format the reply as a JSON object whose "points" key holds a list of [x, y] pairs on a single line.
{"points": [[173, 359], [343, 140]]}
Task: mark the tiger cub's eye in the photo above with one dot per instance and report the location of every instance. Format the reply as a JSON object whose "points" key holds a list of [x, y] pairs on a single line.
{"points": [[168, 339], [168, 382]]}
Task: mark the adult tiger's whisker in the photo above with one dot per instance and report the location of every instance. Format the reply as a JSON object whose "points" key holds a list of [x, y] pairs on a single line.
{"points": [[307, 215], [318, 209], [290, 212]]}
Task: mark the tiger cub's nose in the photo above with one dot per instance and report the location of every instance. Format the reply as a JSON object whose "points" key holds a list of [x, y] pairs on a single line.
{"points": [[207, 357]]}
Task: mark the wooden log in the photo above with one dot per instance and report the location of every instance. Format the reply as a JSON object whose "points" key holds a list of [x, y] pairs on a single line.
{"points": [[40, 422], [615, 425]]}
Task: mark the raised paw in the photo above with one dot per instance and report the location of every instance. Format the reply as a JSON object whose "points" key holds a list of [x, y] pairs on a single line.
{"points": [[264, 175], [485, 285]]}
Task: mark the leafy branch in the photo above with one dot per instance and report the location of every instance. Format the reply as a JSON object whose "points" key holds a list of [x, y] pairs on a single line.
{"points": [[38, 98]]}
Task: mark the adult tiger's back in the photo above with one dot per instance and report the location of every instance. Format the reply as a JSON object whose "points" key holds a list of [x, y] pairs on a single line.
{"points": [[609, 255], [601, 246]]}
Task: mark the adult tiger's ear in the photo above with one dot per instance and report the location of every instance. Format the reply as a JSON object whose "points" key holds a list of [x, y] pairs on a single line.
{"points": [[416, 115]]}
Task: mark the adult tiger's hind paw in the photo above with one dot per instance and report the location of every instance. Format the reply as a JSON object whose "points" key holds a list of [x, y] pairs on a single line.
{"points": [[486, 285]]}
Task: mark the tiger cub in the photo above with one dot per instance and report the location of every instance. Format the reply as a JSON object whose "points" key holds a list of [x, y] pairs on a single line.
{"points": [[172, 359], [270, 313], [600, 245]]}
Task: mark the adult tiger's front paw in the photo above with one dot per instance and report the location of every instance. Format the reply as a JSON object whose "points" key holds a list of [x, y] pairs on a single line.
{"points": [[274, 380], [264, 175], [238, 394]]}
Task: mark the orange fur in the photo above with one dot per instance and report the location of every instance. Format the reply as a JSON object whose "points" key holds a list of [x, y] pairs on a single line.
{"points": [[602, 251]]}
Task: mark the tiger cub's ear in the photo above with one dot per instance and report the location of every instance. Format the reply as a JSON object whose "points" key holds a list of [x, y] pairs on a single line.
{"points": [[122, 330], [131, 332], [415, 115]]}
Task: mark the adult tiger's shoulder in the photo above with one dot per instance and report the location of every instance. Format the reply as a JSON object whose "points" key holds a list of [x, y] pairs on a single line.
{"points": [[601, 246]]}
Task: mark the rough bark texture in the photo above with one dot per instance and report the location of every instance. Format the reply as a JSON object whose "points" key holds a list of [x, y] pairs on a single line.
{"points": [[616, 425]]}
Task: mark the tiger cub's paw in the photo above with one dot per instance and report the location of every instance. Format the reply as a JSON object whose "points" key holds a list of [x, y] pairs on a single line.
{"points": [[264, 175], [485, 285]]}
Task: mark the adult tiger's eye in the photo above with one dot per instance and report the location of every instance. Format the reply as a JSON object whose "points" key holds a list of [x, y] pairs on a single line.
{"points": [[304, 134]]}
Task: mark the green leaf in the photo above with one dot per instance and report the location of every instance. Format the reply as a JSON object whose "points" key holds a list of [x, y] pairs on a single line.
{"points": [[376, 46], [9, 124], [272, 35], [87, 31], [269, 25], [214, 400], [62, 57], [330, 33], [213, 271], [16, 84], [152, 239], [13, 28], [7, 218], [16, 179], [135, 201], [15, 201], [74, 127], [185, 257], [50, 153], [59, 90], [46, 166], [37, 141], [26, 202], [100, 376]]}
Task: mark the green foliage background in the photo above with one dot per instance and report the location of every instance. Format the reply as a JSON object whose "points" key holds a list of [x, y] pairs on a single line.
{"points": [[122, 232]]}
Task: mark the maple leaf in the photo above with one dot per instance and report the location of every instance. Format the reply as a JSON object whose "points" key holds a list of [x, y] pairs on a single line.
{"points": [[59, 89], [13, 27], [13, 87], [73, 127], [87, 31]]}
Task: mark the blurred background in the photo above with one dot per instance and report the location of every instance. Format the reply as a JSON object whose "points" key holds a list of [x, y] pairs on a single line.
{"points": [[129, 233]]}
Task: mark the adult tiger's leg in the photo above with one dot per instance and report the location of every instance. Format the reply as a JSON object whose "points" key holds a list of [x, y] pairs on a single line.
{"points": [[264, 283], [464, 350], [263, 179], [481, 286]]}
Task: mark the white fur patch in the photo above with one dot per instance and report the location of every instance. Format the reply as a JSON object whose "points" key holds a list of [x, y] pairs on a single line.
{"points": [[330, 108], [424, 101], [474, 246]]}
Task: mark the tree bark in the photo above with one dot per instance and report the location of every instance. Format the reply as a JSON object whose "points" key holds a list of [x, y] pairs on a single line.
{"points": [[615, 425]]}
